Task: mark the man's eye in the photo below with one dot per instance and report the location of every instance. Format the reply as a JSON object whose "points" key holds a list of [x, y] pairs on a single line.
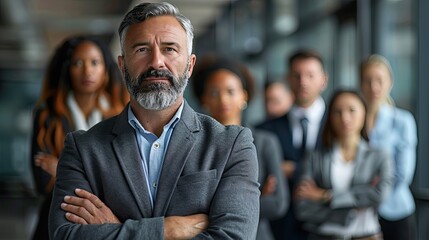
{"points": [[142, 50]]}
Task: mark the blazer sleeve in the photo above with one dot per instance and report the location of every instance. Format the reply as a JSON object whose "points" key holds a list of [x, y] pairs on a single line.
{"points": [[317, 212], [372, 192], [405, 149], [274, 205], [71, 175], [342, 204], [234, 211], [41, 177]]}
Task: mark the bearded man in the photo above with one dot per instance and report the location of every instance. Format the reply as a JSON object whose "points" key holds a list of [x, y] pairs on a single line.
{"points": [[158, 170]]}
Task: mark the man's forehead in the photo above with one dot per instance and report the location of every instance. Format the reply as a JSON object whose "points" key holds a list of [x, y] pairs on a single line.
{"points": [[165, 30]]}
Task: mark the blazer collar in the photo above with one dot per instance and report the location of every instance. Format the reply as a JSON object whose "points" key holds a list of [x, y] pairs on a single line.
{"points": [[360, 159], [181, 144], [128, 156]]}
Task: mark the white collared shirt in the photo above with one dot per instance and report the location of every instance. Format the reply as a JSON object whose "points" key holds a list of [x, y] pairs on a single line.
{"points": [[79, 120], [314, 114], [363, 221]]}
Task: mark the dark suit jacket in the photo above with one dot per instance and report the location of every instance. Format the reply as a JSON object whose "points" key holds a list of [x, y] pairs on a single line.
{"points": [[282, 128], [288, 227], [208, 168]]}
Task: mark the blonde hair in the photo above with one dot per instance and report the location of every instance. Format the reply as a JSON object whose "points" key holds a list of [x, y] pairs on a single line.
{"points": [[375, 59]]}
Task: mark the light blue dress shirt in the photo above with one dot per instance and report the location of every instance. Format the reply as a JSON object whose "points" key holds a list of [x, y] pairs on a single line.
{"points": [[152, 149], [395, 131]]}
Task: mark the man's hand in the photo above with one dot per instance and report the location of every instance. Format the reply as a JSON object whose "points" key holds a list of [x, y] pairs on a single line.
{"points": [[86, 208], [288, 168], [270, 186], [185, 227], [47, 162]]}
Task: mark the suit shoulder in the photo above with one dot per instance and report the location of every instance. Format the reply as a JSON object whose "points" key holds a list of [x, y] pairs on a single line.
{"points": [[264, 135], [209, 123], [377, 153], [404, 116], [99, 130], [212, 128], [271, 124]]}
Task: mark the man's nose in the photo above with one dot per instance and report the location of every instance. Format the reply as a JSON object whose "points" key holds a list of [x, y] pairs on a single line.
{"points": [[157, 59]]}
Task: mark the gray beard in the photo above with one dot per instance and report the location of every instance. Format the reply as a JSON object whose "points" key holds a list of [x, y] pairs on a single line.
{"points": [[156, 96]]}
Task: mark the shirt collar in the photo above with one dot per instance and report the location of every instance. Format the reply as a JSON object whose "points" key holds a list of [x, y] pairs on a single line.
{"points": [[312, 113], [134, 122], [79, 120]]}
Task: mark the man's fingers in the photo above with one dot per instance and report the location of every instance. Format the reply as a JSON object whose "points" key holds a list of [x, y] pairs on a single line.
{"points": [[75, 219], [76, 210], [91, 197], [83, 203]]}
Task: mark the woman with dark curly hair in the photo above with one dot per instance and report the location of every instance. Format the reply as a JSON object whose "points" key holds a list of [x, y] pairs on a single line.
{"points": [[81, 87], [223, 88]]}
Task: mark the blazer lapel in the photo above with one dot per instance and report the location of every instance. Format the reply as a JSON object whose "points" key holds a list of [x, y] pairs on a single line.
{"points": [[326, 168], [285, 128], [360, 159], [179, 148], [127, 153], [319, 141]]}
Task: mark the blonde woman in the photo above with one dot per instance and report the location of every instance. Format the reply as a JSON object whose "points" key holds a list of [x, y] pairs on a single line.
{"points": [[394, 130]]}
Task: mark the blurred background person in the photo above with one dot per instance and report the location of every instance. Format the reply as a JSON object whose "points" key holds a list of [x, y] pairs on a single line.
{"points": [[81, 87], [343, 184], [224, 88], [299, 129], [278, 99], [394, 130]]}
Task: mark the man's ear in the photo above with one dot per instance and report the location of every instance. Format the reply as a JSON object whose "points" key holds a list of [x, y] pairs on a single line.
{"points": [[121, 64], [325, 82], [192, 60]]}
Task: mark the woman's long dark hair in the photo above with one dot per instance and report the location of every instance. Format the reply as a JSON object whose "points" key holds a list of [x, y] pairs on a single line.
{"points": [[56, 86]]}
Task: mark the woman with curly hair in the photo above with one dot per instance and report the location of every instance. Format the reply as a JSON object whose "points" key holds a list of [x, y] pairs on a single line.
{"points": [[81, 87], [224, 87]]}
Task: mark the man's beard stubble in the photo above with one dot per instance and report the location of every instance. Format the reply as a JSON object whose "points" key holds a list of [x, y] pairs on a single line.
{"points": [[158, 95]]}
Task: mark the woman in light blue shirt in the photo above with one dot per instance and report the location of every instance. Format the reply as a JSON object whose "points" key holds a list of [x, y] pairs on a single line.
{"points": [[394, 130]]}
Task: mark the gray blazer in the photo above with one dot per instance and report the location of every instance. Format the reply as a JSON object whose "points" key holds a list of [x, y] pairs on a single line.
{"points": [[373, 167], [269, 158], [208, 168]]}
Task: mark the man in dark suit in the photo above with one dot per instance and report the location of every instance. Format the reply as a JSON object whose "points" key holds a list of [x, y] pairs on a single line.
{"points": [[299, 129], [158, 170]]}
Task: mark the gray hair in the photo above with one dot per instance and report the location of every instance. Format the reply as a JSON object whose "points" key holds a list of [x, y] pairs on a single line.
{"points": [[143, 11]]}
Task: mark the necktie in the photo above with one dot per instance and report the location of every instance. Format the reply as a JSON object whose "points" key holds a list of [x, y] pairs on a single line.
{"points": [[304, 125]]}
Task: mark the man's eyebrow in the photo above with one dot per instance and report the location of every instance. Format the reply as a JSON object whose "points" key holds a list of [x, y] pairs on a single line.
{"points": [[171, 44], [139, 44]]}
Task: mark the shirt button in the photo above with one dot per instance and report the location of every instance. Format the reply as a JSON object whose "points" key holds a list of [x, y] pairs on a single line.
{"points": [[156, 145], [154, 185]]}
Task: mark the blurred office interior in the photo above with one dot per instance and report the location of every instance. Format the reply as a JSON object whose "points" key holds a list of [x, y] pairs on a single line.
{"points": [[260, 33]]}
